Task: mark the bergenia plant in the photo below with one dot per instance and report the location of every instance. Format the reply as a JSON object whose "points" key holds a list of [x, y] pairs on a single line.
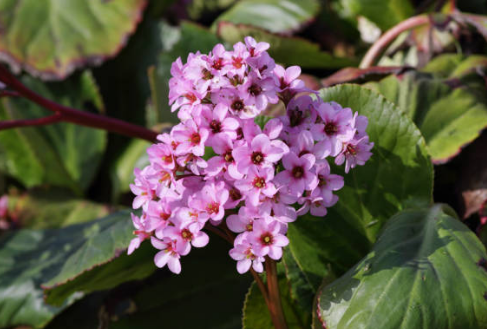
{"points": [[221, 171]]}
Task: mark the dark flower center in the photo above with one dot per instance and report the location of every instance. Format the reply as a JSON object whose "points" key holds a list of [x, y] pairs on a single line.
{"points": [[195, 138], [216, 126], [212, 208], [235, 194], [187, 235], [259, 182], [217, 64], [228, 156], [331, 128], [295, 117], [267, 239], [351, 149], [207, 74], [255, 90], [257, 158], [237, 105], [298, 172]]}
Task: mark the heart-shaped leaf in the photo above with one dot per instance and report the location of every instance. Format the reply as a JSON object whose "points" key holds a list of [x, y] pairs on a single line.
{"points": [[424, 272], [53, 37], [398, 173]]}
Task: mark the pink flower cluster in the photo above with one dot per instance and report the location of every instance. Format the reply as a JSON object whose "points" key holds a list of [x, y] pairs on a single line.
{"points": [[219, 167]]}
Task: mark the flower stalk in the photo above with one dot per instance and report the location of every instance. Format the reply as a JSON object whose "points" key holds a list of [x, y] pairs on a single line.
{"points": [[379, 46], [66, 114]]}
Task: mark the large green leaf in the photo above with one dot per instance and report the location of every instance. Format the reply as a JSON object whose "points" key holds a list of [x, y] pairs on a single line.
{"points": [[51, 38], [449, 118], [61, 154], [272, 15], [52, 258], [398, 173], [424, 272], [285, 50], [384, 13]]}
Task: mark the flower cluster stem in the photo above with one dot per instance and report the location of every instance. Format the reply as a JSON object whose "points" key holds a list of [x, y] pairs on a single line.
{"points": [[379, 46], [274, 304], [67, 114]]}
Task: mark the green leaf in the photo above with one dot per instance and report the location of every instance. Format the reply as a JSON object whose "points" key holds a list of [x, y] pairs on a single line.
{"points": [[285, 50], [256, 314], [423, 272], [449, 118], [61, 154], [384, 13], [51, 38], [398, 173], [272, 15], [199, 8], [49, 208], [30, 259]]}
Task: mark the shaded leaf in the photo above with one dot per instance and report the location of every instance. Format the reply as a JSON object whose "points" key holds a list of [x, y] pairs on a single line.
{"points": [[477, 21], [384, 13], [423, 272], [449, 118], [50, 208], [31, 258], [272, 15], [285, 50], [61, 154], [208, 293], [63, 35]]}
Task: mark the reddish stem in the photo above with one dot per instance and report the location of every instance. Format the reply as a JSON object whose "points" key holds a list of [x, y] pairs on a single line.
{"points": [[9, 93], [274, 305], [30, 122], [379, 46], [72, 115]]}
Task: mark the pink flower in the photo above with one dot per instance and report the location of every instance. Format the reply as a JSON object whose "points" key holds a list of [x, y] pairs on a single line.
{"points": [[190, 137], [245, 257], [169, 254], [298, 176], [327, 183], [266, 239], [335, 126], [186, 234], [143, 189], [355, 152], [140, 233], [257, 182], [211, 199], [217, 123], [260, 153]]}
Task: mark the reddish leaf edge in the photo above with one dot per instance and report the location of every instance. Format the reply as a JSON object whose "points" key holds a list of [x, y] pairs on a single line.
{"points": [[17, 65]]}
